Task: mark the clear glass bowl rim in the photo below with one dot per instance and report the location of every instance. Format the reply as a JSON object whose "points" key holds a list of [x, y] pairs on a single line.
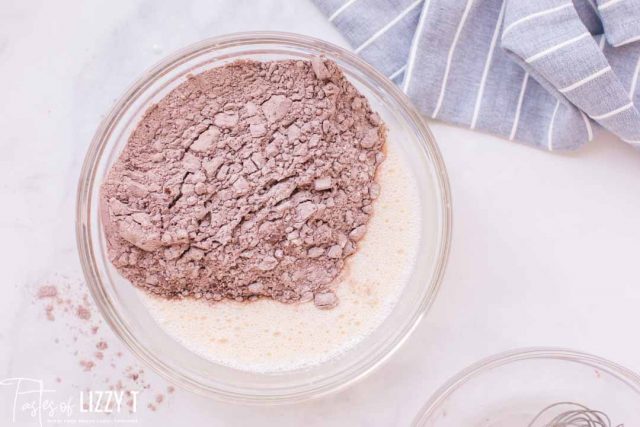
{"points": [[98, 145], [619, 372]]}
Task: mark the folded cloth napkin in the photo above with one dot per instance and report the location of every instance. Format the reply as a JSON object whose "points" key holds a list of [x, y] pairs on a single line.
{"points": [[541, 72]]}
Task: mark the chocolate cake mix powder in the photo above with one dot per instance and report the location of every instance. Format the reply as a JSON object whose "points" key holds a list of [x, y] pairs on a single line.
{"points": [[255, 179]]}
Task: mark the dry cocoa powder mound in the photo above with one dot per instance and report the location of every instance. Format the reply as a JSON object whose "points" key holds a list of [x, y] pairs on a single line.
{"points": [[255, 179]]}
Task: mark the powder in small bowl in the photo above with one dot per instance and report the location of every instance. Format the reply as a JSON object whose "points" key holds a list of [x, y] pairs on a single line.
{"points": [[254, 179]]}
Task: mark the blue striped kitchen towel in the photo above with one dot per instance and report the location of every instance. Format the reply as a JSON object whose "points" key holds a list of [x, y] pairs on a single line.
{"points": [[541, 72]]}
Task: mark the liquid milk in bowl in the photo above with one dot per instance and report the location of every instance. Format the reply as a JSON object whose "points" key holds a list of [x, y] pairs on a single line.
{"points": [[266, 351]]}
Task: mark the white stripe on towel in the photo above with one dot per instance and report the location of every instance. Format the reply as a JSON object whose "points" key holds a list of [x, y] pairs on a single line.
{"points": [[397, 72], [587, 124], [516, 119], [586, 79], [386, 28], [627, 41], [535, 15], [614, 112], [341, 9], [631, 142], [487, 65], [634, 80], [608, 4], [445, 78], [556, 47], [414, 45], [587, 121], [553, 119]]}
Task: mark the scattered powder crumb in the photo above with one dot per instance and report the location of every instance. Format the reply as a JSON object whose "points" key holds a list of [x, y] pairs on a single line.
{"points": [[83, 313], [49, 312], [255, 179], [102, 345], [87, 365], [47, 291]]}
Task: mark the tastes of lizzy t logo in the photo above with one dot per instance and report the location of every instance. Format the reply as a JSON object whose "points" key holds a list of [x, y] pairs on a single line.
{"points": [[29, 399]]}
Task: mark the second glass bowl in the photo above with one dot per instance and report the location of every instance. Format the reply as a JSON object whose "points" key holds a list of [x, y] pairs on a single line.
{"points": [[513, 388]]}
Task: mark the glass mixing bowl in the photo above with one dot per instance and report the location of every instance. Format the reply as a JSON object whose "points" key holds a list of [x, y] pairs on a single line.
{"points": [[128, 317], [510, 389]]}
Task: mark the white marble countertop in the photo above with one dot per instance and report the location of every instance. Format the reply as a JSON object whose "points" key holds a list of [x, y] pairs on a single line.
{"points": [[545, 246]]}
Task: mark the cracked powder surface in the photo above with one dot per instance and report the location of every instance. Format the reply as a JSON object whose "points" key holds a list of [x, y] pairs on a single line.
{"points": [[250, 180]]}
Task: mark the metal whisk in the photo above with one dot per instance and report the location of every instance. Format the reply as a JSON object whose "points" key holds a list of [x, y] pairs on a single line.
{"points": [[570, 414]]}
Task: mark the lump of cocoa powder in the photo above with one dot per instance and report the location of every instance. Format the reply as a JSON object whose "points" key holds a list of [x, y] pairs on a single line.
{"points": [[255, 179]]}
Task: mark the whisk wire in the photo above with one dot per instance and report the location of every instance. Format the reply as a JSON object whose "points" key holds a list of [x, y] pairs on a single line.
{"points": [[574, 415]]}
